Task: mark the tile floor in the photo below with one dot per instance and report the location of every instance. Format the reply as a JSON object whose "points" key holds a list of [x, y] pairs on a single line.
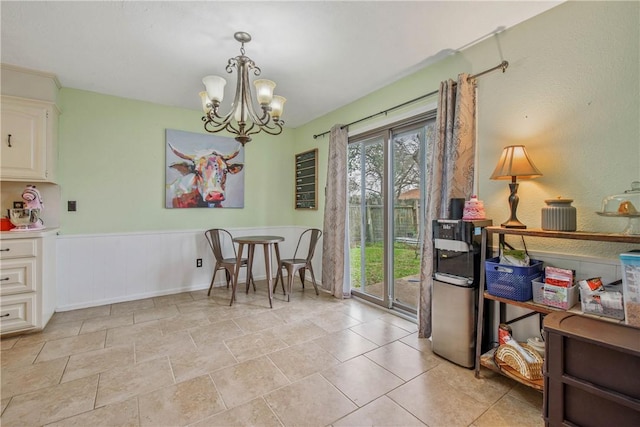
{"points": [[189, 359]]}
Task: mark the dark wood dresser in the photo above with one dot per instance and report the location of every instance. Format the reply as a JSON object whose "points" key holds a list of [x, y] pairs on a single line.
{"points": [[591, 372]]}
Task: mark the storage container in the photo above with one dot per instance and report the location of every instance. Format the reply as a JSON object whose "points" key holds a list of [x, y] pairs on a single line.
{"points": [[594, 302], [631, 287], [511, 281], [560, 297]]}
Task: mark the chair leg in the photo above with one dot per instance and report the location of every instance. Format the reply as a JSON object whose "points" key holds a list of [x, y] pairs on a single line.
{"points": [[301, 273], [313, 278], [228, 276], [212, 279], [290, 276]]}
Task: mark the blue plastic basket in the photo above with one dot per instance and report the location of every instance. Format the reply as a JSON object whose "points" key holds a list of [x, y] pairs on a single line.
{"points": [[510, 281]]}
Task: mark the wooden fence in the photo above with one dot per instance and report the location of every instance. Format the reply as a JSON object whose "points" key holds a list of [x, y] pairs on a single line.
{"points": [[405, 219]]}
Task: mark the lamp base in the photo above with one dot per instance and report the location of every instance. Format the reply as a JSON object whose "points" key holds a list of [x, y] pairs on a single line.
{"points": [[513, 223]]}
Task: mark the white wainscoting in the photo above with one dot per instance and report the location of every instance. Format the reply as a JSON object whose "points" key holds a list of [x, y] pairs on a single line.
{"points": [[100, 269]]}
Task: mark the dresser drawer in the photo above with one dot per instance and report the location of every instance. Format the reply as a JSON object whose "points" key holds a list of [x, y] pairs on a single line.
{"points": [[17, 276], [17, 312], [18, 248]]}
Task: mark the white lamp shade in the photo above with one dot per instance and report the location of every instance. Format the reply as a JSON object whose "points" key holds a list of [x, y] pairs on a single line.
{"points": [[277, 106], [215, 87], [515, 162], [264, 91], [237, 113], [205, 102]]}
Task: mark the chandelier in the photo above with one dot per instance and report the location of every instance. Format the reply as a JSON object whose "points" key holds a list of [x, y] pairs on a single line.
{"points": [[242, 120]]}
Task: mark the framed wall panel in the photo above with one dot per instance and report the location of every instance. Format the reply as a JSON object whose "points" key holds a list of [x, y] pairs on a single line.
{"points": [[307, 180]]}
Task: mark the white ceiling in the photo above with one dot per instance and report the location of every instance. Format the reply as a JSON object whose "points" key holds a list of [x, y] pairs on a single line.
{"points": [[322, 54]]}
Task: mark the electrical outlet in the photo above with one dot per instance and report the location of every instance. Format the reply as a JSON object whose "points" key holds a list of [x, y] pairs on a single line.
{"points": [[199, 262]]}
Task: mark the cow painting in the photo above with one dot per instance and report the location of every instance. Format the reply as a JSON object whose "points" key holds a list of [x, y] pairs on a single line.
{"points": [[202, 175]]}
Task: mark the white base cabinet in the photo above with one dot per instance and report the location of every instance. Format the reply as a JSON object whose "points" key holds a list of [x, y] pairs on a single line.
{"points": [[27, 280]]}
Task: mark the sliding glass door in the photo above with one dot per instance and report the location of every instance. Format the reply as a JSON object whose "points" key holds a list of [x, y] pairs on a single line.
{"points": [[386, 170]]}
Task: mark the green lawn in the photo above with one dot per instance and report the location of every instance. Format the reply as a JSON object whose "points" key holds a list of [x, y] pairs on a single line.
{"points": [[405, 260]]}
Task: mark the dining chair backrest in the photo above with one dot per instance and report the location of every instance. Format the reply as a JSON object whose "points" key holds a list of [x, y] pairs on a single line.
{"points": [[216, 238], [314, 235]]}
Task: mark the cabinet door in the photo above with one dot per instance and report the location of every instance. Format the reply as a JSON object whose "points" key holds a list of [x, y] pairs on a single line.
{"points": [[23, 148]]}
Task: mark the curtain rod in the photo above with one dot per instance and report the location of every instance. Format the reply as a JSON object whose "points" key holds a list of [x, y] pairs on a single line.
{"points": [[503, 66]]}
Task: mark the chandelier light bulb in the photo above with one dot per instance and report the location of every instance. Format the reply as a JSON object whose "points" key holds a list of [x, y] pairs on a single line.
{"points": [[277, 106], [215, 87], [264, 91]]}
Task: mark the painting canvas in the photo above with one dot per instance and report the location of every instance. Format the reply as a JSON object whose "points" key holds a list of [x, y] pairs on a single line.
{"points": [[203, 171]]}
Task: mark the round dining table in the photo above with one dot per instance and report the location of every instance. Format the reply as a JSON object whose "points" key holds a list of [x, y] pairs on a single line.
{"points": [[251, 241]]}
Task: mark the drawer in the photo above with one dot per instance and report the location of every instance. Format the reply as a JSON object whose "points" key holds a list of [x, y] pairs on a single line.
{"points": [[17, 276], [17, 312], [18, 248]]}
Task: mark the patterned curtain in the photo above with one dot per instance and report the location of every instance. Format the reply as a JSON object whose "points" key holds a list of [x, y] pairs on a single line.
{"points": [[334, 239], [450, 171]]}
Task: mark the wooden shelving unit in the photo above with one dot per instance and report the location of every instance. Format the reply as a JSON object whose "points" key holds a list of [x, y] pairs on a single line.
{"points": [[486, 360], [307, 180]]}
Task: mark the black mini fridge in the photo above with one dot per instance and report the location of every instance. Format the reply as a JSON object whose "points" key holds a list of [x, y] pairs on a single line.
{"points": [[456, 270]]}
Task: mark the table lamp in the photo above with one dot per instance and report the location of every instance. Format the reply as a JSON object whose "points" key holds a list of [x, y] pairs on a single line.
{"points": [[514, 163]]}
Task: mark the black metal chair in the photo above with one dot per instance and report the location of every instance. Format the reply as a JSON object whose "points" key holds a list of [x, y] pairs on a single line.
{"points": [[215, 237], [299, 264]]}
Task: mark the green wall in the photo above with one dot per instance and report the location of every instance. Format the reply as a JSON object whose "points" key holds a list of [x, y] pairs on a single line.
{"points": [[570, 95], [112, 162]]}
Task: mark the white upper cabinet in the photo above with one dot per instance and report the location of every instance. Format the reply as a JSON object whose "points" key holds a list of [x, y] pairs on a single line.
{"points": [[28, 140], [29, 126]]}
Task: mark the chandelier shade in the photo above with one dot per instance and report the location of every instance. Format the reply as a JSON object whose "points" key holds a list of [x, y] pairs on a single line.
{"points": [[243, 119]]}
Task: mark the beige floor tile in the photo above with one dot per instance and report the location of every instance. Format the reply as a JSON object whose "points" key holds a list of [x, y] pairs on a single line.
{"points": [[121, 414], [205, 335], [253, 345], [361, 380], [527, 394], [183, 321], [180, 404], [421, 344], [154, 347], [246, 381], [51, 404], [381, 412], [312, 401], [106, 322], [93, 362], [80, 314], [508, 412], [400, 322], [299, 332], [132, 333], [201, 294], [187, 365], [20, 379], [436, 403], [172, 299], [302, 360], [129, 307], [379, 331], [121, 384], [293, 312], [146, 315], [207, 305], [21, 355], [334, 321], [51, 332], [3, 404], [258, 322], [345, 345], [7, 343], [361, 311], [72, 345], [255, 413], [485, 390], [413, 362]]}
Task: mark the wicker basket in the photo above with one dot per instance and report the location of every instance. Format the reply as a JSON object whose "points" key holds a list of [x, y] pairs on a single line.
{"points": [[508, 355]]}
